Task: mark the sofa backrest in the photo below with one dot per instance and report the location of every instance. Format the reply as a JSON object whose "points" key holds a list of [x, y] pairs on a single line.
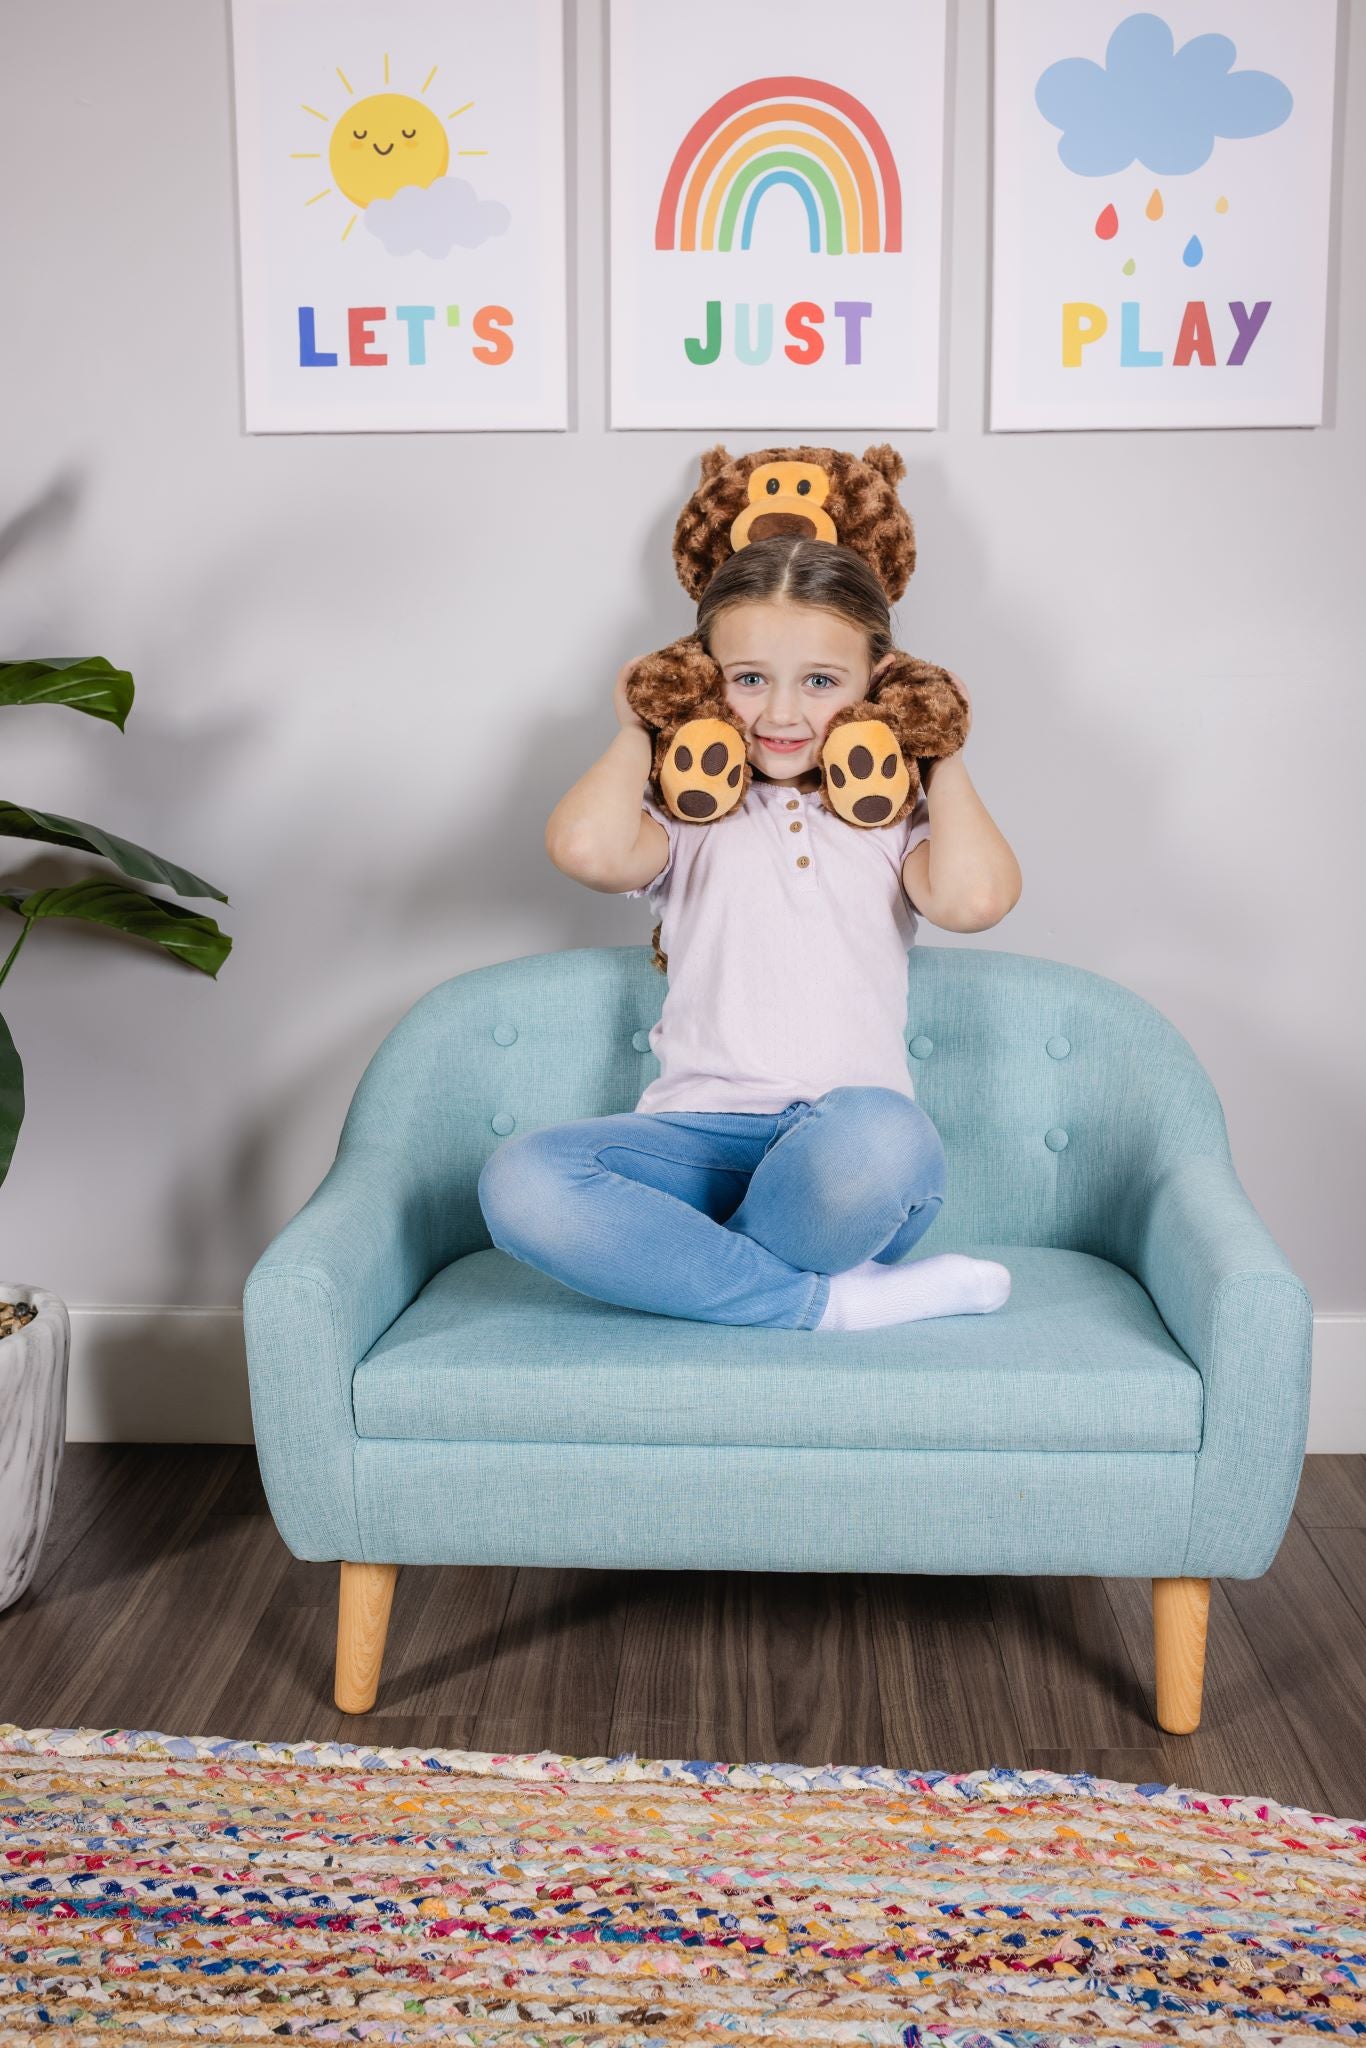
{"points": [[1060, 1095]]}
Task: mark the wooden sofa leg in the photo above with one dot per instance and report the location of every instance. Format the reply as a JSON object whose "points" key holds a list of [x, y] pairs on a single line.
{"points": [[367, 1592], [1180, 1615]]}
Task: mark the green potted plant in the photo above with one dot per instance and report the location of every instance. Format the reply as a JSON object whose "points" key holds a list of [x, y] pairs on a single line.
{"points": [[35, 1330]]}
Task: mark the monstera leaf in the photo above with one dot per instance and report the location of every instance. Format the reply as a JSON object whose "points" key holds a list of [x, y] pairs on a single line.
{"points": [[186, 934], [83, 682], [18, 821], [11, 1097]]}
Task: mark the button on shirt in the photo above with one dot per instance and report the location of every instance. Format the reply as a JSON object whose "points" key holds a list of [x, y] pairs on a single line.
{"points": [[787, 933]]}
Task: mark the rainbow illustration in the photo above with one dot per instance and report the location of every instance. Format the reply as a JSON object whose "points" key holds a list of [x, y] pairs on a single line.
{"points": [[838, 159]]}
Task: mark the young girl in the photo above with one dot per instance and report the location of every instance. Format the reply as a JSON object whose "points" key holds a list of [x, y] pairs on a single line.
{"points": [[779, 1167]]}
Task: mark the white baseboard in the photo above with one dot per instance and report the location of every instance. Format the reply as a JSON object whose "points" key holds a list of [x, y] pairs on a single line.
{"points": [[179, 1375]]}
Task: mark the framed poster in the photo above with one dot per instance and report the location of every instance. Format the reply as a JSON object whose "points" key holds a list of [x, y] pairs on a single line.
{"points": [[1160, 234], [402, 214], [776, 199]]}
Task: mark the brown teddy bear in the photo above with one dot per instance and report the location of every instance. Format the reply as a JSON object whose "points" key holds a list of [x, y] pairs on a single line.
{"points": [[913, 710]]}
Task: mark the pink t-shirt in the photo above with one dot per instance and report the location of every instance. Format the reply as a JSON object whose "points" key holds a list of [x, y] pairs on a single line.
{"points": [[785, 980]]}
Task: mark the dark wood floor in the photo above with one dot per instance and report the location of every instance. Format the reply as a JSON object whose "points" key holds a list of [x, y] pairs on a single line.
{"points": [[165, 1599]]}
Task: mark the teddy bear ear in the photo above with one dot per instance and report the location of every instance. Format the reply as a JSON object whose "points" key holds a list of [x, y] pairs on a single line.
{"points": [[714, 461], [886, 460]]}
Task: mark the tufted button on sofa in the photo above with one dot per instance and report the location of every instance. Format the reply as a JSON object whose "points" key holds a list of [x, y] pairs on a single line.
{"points": [[1139, 1406]]}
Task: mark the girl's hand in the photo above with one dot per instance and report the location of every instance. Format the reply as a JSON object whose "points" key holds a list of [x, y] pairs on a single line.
{"points": [[626, 717]]}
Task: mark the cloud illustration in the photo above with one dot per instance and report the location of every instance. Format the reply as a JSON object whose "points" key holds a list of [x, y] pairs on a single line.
{"points": [[436, 218], [1152, 102]]}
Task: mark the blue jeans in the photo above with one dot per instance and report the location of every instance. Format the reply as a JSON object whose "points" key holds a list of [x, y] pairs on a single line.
{"points": [[721, 1217]]}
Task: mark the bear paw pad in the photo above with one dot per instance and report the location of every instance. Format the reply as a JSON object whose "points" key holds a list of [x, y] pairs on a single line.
{"points": [[866, 779], [703, 770]]}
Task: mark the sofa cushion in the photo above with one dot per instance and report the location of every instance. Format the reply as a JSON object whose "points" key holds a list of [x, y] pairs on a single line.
{"points": [[494, 1351]]}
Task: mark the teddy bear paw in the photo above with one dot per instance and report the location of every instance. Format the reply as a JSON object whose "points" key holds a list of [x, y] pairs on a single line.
{"points": [[866, 778], [703, 773]]}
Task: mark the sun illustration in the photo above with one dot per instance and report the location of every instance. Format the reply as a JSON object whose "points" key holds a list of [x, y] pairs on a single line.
{"points": [[382, 143]]}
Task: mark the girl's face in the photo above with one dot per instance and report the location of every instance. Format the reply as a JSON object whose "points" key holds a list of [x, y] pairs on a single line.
{"points": [[789, 668]]}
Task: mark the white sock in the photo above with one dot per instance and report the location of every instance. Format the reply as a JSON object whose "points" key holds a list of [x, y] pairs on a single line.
{"points": [[950, 1284]]}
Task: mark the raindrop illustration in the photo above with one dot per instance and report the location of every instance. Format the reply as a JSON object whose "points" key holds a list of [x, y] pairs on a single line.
{"points": [[1129, 267], [1154, 207], [1221, 205], [1193, 252], [1107, 224]]}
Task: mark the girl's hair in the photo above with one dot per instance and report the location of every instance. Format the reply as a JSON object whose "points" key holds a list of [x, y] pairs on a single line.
{"points": [[794, 570], [791, 569]]}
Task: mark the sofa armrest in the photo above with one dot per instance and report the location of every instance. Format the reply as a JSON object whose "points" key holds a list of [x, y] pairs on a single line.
{"points": [[1234, 1304], [326, 1287]]}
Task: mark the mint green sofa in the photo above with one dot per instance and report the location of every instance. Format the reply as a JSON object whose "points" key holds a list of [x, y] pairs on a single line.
{"points": [[1139, 1407]]}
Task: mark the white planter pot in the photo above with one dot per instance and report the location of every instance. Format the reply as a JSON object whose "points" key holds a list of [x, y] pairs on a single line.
{"points": [[33, 1363]]}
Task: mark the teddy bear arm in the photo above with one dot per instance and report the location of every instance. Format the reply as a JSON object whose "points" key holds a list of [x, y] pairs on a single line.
{"points": [[675, 683], [700, 769], [925, 707]]}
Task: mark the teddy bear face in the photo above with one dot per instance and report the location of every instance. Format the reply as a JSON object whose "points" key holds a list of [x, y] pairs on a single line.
{"points": [[815, 493], [784, 497]]}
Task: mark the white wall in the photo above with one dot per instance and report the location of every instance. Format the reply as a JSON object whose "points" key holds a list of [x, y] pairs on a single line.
{"points": [[1162, 633]]}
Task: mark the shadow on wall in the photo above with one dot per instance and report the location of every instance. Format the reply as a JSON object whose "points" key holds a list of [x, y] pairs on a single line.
{"points": [[53, 507], [246, 1193], [162, 779], [157, 769], [501, 870], [1299, 1134]]}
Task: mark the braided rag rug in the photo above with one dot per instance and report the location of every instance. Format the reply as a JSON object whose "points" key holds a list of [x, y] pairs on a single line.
{"points": [[160, 1888]]}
